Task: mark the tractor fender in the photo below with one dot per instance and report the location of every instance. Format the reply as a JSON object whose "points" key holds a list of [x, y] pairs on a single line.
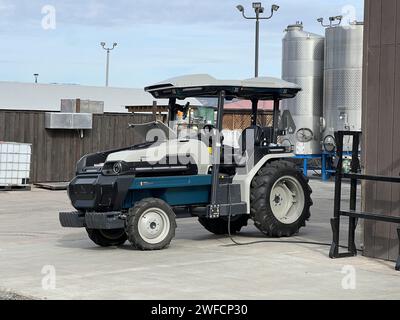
{"points": [[244, 178]]}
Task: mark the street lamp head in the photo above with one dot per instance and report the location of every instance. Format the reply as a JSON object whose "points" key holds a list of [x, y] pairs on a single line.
{"points": [[240, 8], [275, 7], [257, 5], [103, 44], [331, 21], [115, 44]]}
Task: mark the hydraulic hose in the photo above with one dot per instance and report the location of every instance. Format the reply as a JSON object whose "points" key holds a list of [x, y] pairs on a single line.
{"points": [[315, 243]]}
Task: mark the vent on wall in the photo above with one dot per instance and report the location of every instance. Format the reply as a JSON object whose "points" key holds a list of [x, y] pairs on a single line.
{"points": [[69, 121], [82, 106]]}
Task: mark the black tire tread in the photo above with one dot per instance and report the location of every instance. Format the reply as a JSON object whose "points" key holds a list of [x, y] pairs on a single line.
{"points": [[261, 213]]}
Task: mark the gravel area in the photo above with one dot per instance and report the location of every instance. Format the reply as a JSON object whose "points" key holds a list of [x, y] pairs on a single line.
{"points": [[8, 295]]}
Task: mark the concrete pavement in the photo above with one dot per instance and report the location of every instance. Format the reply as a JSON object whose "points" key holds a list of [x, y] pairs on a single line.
{"points": [[198, 265]]}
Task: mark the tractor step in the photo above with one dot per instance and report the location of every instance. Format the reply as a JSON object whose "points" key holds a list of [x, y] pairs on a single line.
{"points": [[224, 210], [92, 220]]}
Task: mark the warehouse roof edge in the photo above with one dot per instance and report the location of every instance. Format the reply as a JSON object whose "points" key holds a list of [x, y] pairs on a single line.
{"points": [[47, 97]]}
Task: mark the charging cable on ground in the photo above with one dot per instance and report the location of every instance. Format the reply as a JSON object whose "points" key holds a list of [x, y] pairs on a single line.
{"points": [[277, 241]]}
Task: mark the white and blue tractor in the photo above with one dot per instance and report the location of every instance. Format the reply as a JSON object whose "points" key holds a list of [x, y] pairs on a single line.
{"points": [[133, 193]]}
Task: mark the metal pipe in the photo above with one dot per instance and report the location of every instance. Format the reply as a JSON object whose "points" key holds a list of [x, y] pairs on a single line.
{"points": [[339, 171], [275, 121], [335, 222], [257, 44], [353, 195], [107, 67], [214, 212], [258, 9], [103, 44], [254, 112], [171, 110], [220, 116]]}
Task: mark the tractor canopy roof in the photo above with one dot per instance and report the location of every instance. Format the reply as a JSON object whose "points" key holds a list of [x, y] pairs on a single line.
{"points": [[203, 85]]}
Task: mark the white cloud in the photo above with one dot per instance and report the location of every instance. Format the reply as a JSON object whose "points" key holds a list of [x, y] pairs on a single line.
{"points": [[129, 13], [6, 7]]}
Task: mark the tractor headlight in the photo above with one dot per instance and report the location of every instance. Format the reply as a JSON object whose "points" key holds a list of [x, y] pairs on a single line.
{"points": [[115, 168]]}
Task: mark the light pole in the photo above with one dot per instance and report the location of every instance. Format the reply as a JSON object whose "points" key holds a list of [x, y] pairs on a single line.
{"points": [[103, 44], [258, 8]]}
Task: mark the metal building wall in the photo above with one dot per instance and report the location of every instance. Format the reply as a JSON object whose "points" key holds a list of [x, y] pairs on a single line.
{"points": [[343, 78], [381, 122]]}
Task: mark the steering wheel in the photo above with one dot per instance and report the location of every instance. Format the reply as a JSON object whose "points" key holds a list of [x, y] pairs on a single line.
{"points": [[209, 128]]}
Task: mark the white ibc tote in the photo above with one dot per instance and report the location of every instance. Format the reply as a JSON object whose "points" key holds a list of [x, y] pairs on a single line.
{"points": [[15, 164]]}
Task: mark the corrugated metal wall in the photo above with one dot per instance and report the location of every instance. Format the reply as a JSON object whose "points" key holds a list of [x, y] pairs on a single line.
{"points": [[55, 152], [381, 122]]}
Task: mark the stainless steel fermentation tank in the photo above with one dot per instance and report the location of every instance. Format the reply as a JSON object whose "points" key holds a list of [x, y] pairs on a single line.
{"points": [[343, 80], [303, 64]]}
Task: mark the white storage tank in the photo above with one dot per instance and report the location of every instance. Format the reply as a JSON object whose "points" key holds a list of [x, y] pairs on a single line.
{"points": [[343, 80], [15, 164], [303, 64]]}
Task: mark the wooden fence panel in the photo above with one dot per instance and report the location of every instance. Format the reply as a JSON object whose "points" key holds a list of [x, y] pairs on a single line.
{"points": [[56, 152]]}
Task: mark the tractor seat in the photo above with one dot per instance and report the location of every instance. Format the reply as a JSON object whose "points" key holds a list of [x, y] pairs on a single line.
{"points": [[263, 138], [258, 136], [238, 159]]}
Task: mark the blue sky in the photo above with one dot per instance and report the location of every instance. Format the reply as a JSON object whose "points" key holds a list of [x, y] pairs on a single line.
{"points": [[156, 39]]}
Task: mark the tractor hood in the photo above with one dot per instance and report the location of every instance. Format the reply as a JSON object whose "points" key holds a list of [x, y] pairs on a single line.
{"points": [[171, 152]]}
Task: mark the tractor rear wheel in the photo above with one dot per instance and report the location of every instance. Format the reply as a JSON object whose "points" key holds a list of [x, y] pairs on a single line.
{"points": [[107, 238], [151, 224], [280, 199], [219, 226]]}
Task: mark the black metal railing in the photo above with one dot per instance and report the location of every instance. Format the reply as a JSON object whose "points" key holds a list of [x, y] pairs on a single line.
{"points": [[354, 215]]}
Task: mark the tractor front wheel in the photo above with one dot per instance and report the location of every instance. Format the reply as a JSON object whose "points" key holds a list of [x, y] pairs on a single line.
{"points": [[151, 224], [280, 199]]}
